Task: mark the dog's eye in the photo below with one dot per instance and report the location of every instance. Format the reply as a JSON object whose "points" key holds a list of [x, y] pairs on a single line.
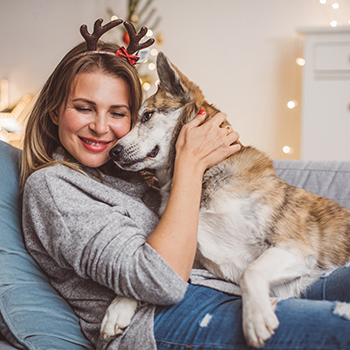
{"points": [[146, 116]]}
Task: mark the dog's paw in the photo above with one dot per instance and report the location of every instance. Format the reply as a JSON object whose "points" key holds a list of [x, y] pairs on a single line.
{"points": [[259, 323], [118, 316]]}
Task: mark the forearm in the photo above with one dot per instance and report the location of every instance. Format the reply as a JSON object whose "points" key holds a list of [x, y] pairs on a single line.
{"points": [[175, 237]]}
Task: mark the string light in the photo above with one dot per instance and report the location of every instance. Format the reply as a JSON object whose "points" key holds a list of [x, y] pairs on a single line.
{"points": [[151, 66], [334, 24], [335, 6], [323, 2], [146, 86], [300, 61], [287, 150], [291, 104]]}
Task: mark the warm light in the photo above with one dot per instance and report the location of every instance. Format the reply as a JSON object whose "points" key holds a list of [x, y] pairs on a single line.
{"points": [[149, 32], [335, 6], [334, 24], [323, 1], [300, 61], [154, 52], [3, 137], [287, 150], [10, 125], [114, 17], [151, 66], [15, 113], [4, 94], [291, 104], [146, 86], [20, 106]]}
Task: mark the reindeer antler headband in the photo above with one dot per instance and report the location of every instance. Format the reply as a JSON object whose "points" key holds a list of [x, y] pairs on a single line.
{"points": [[133, 47]]}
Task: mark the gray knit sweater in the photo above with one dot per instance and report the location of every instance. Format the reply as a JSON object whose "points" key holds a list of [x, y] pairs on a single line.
{"points": [[90, 239]]}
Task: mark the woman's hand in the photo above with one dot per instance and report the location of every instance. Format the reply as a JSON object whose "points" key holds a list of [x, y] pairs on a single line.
{"points": [[205, 145]]}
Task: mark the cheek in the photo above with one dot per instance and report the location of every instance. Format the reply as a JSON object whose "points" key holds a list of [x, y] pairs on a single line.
{"points": [[70, 122], [122, 127]]}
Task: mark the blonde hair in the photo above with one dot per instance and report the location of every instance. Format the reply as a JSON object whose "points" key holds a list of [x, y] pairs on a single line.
{"points": [[41, 134]]}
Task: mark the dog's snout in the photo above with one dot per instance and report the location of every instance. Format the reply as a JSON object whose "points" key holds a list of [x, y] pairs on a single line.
{"points": [[116, 152]]}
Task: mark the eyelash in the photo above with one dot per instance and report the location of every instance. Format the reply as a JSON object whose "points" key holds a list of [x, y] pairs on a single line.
{"points": [[118, 114], [83, 109], [88, 110]]}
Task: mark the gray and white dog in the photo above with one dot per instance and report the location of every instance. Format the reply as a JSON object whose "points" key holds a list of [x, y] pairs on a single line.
{"points": [[255, 230]]}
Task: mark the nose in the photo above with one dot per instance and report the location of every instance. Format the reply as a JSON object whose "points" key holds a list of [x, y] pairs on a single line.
{"points": [[116, 152], [99, 125]]}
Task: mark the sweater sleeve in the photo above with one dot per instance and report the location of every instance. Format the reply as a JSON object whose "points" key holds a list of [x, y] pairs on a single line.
{"points": [[98, 240]]}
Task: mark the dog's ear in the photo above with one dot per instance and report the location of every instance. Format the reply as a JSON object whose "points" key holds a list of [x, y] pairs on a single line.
{"points": [[169, 78]]}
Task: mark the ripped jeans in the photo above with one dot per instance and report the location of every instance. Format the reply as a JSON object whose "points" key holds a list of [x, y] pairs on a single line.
{"points": [[210, 320]]}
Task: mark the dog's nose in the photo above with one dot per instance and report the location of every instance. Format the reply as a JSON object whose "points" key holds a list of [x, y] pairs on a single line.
{"points": [[116, 152]]}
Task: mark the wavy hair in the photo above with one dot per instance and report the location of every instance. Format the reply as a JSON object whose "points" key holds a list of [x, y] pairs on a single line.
{"points": [[41, 134]]}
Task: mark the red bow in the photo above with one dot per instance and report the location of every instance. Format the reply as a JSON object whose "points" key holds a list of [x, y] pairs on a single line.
{"points": [[123, 53]]}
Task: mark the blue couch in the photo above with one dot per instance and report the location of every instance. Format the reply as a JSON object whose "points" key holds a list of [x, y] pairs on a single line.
{"points": [[33, 316]]}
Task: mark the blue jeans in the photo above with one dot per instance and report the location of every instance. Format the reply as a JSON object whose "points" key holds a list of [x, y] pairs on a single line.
{"points": [[207, 319]]}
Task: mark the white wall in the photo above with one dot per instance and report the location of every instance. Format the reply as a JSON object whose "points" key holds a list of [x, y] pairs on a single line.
{"points": [[240, 52], [34, 35]]}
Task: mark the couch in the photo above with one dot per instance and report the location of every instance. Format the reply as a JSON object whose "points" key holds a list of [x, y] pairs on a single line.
{"points": [[33, 316]]}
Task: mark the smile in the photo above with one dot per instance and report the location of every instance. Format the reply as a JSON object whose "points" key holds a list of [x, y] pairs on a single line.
{"points": [[94, 145]]}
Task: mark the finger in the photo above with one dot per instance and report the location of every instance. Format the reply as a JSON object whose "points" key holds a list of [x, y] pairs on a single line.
{"points": [[218, 119], [234, 148], [232, 137], [198, 119]]}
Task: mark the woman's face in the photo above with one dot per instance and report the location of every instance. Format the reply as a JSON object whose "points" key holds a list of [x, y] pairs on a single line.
{"points": [[96, 116]]}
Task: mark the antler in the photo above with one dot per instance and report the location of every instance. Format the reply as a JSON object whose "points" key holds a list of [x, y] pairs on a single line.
{"points": [[134, 44], [99, 30]]}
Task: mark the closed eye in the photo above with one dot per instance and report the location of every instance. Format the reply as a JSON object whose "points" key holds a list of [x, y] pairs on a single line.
{"points": [[146, 116], [118, 114], [83, 109]]}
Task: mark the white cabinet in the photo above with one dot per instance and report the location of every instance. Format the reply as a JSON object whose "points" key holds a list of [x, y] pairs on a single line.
{"points": [[325, 126]]}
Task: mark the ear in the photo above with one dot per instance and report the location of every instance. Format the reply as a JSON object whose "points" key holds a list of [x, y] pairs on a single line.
{"points": [[169, 78], [54, 117]]}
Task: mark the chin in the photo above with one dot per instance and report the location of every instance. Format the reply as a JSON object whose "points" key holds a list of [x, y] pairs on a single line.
{"points": [[93, 163]]}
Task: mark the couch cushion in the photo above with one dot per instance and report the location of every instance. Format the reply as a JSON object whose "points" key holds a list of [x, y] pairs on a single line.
{"points": [[32, 314], [330, 179]]}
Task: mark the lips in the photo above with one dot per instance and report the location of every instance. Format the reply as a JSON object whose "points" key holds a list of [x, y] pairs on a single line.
{"points": [[94, 145]]}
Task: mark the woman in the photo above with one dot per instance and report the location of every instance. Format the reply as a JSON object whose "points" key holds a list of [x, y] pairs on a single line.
{"points": [[86, 225]]}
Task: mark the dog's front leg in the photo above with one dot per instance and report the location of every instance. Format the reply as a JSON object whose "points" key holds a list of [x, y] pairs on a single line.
{"points": [[275, 265], [118, 316]]}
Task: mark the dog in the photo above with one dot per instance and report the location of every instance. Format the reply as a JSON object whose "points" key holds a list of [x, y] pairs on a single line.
{"points": [[255, 230]]}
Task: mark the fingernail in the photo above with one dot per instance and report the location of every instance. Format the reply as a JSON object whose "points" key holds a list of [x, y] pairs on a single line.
{"points": [[202, 112]]}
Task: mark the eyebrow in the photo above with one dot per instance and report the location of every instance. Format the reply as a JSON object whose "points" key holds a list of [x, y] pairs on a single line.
{"points": [[94, 104]]}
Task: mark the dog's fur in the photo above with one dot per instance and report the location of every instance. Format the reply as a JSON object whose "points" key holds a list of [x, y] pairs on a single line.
{"points": [[270, 238]]}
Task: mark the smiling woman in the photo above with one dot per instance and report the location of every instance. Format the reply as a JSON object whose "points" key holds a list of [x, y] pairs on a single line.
{"points": [[96, 115]]}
